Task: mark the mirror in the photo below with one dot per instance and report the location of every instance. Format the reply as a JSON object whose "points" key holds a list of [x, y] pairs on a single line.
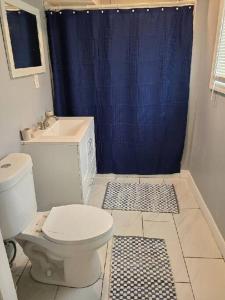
{"points": [[21, 24]]}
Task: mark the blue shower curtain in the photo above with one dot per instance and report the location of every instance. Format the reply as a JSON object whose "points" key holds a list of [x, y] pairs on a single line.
{"points": [[129, 69]]}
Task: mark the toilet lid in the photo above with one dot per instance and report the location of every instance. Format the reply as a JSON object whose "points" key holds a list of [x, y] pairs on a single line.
{"points": [[76, 224]]}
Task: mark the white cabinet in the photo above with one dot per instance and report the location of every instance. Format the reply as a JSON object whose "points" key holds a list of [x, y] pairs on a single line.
{"points": [[63, 170]]}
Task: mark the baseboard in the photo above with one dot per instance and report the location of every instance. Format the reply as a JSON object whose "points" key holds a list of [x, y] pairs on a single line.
{"points": [[138, 175], [206, 212]]}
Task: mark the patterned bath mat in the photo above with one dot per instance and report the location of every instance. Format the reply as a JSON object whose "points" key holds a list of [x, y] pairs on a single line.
{"points": [[158, 198], [141, 270]]}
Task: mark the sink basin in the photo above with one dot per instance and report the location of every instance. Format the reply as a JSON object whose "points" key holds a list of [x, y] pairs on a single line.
{"points": [[64, 128]]}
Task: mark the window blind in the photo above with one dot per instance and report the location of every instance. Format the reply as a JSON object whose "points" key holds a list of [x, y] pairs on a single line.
{"points": [[220, 59]]}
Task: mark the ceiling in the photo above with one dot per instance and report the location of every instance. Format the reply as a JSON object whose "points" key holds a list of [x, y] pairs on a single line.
{"points": [[66, 3]]}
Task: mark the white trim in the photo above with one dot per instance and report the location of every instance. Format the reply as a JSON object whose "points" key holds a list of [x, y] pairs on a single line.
{"points": [[215, 84], [150, 4], [206, 212], [174, 175], [18, 72]]}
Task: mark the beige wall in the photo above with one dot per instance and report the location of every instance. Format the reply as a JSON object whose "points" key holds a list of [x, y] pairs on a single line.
{"points": [[199, 16], [207, 158], [21, 104]]}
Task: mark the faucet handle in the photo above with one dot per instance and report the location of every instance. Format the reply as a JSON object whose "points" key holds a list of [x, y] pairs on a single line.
{"points": [[40, 125], [49, 114]]}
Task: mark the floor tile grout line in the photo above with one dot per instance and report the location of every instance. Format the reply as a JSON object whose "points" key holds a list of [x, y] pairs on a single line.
{"points": [[184, 282], [56, 292], [104, 269], [201, 257], [153, 221], [110, 269], [193, 208], [184, 257], [20, 273], [142, 224], [105, 264]]}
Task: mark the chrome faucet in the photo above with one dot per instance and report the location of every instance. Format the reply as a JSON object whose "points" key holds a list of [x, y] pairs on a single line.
{"points": [[45, 123], [41, 125]]}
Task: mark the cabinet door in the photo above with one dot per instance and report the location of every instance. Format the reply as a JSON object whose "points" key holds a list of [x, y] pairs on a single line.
{"points": [[87, 161], [87, 152], [91, 149], [56, 169]]}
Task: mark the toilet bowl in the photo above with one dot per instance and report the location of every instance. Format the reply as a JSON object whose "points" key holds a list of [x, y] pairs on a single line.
{"points": [[62, 244]]}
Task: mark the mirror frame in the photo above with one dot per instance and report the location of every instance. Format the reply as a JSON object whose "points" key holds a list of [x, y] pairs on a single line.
{"points": [[19, 72]]}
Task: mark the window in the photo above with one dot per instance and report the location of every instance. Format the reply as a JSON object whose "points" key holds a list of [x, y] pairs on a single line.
{"points": [[217, 81]]}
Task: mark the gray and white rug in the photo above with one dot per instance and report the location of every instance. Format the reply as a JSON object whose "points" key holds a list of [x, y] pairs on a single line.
{"points": [[141, 270], [158, 198]]}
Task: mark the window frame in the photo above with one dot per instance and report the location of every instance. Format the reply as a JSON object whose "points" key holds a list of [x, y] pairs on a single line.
{"points": [[215, 84]]}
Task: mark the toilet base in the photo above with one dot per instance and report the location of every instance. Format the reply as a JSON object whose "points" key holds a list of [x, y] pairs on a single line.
{"points": [[81, 270]]}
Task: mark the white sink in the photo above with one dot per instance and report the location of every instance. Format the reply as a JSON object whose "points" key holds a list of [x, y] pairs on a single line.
{"points": [[64, 128]]}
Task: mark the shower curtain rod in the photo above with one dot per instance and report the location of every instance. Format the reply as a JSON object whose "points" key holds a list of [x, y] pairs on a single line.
{"points": [[124, 6]]}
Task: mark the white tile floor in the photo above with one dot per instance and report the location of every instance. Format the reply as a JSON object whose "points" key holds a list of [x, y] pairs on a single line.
{"points": [[197, 265]]}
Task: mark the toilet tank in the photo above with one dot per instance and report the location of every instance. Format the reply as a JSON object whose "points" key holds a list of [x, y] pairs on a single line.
{"points": [[17, 194]]}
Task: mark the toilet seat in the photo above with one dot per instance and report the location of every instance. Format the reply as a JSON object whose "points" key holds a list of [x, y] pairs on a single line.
{"points": [[63, 244], [76, 224]]}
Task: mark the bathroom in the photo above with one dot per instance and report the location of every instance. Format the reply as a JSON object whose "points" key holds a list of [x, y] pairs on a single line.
{"points": [[134, 188]]}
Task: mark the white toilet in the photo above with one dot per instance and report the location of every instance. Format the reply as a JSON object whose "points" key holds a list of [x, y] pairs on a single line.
{"points": [[62, 243]]}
